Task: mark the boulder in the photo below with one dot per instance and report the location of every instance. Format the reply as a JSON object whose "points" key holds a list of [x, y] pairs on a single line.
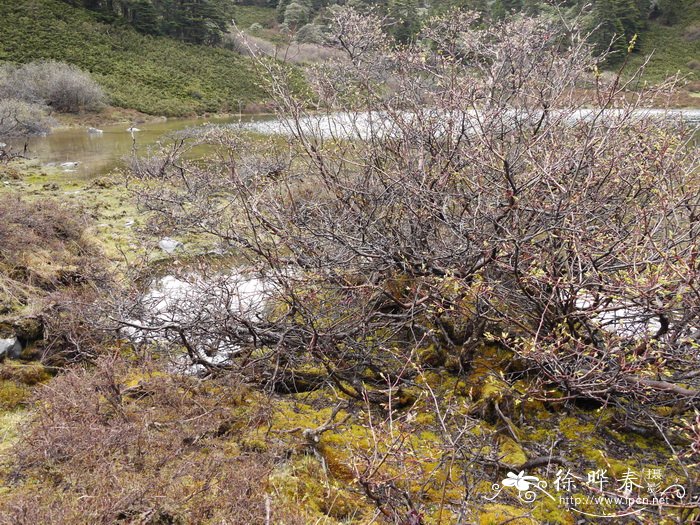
{"points": [[10, 348], [169, 245]]}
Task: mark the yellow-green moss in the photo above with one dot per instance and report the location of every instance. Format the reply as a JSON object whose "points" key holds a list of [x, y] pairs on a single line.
{"points": [[303, 484], [431, 355], [9, 425], [574, 429], [12, 395], [499, 514], [24, 373], [511, 453]]}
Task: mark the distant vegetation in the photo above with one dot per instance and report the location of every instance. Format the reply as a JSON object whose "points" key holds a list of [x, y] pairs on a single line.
{"points": [[153, 74], [656, 24], [198, 22], [62, 87], [30, 92], [668, 29], [675, 47], [178, 57]]}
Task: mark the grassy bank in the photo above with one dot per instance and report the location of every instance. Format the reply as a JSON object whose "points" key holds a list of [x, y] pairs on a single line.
{"points": [[155, 75]]}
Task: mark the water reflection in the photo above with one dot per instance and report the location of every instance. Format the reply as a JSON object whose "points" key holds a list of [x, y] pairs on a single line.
{"points": [[99, 153]]}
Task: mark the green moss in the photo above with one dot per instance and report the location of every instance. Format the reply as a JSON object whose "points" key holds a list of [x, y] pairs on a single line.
{"points": [[499, 514], [12, 395], [24, 373]]}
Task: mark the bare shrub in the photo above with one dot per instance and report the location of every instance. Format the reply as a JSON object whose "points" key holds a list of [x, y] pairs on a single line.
{"points": [[442, 199], [44, 242], [135, 445], [295, 52], [50, 266], [22, 119], [61, 86], [476, 193]]}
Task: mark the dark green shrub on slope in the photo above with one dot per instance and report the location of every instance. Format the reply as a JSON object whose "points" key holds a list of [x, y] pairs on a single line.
{"points": [[155, 75]]}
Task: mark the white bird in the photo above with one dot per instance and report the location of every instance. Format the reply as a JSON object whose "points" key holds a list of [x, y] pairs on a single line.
{"points": [[132, 129], [95, 131], [69, 164]]}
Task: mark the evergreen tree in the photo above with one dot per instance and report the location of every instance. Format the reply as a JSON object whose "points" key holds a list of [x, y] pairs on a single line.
{"points": [[144, 17], [196, 21], [627, 12], [608, 31], [670, 11], [404, 15]]}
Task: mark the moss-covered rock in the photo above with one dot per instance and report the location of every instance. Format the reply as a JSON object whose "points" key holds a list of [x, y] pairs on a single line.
{"points": [[13, 395], [24, 373]]}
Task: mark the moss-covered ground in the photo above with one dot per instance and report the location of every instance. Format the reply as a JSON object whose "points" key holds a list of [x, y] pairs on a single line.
{"points": [[333, 460]]}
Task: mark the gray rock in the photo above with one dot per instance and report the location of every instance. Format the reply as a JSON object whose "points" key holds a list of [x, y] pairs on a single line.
{"points": [[169, 245], [10, 348]]}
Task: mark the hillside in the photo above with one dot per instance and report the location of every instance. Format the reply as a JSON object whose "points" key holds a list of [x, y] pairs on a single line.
{"points": [[674, 48], [155, 75], [163, 76]]}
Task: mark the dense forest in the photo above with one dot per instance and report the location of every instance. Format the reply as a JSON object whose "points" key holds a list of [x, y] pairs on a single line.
{"points": [[196, 21]]}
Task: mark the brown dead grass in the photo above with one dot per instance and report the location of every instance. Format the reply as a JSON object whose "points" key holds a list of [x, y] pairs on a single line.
{"points": [[125, 443]]}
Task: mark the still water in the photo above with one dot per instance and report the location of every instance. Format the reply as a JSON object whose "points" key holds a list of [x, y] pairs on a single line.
{"points": [[98, 153]]}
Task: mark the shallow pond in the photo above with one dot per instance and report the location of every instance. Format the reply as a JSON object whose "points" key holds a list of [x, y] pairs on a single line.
{"points": [[98, 153]]}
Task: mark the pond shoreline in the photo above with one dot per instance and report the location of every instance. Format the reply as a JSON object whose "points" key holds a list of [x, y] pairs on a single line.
{"points": [[112, 116]]}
